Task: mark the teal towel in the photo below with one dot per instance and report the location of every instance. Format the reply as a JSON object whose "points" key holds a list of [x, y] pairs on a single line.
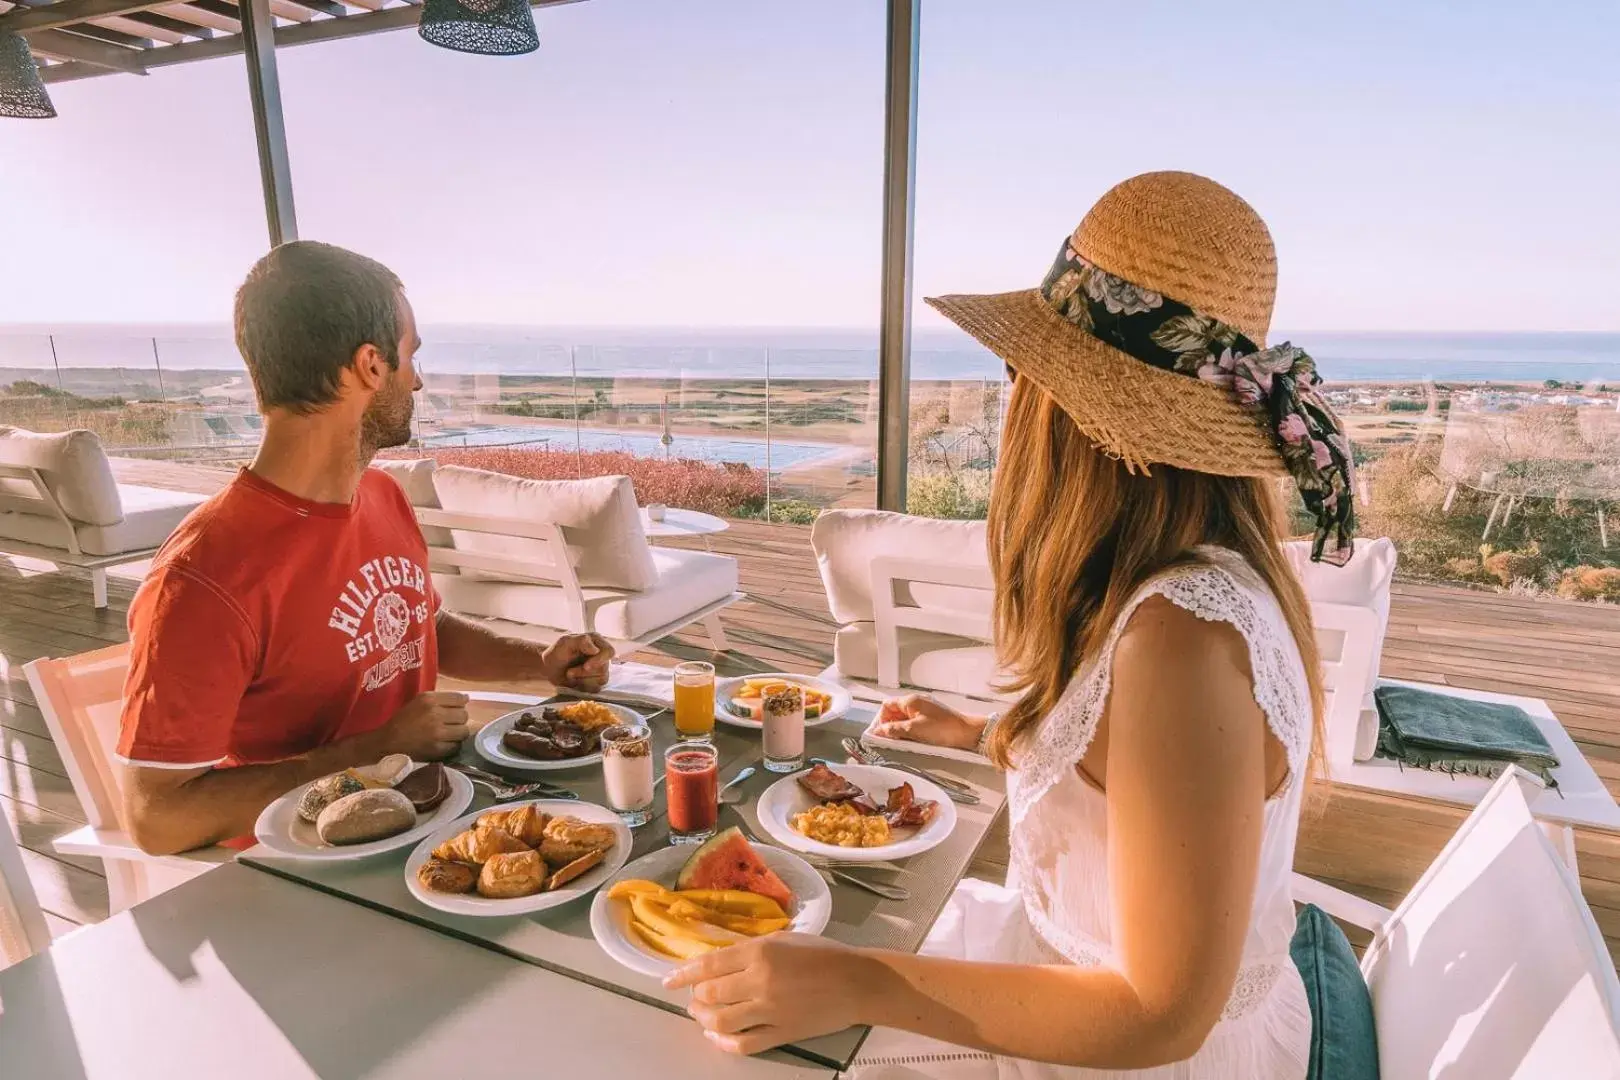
{"points": [[1458, 735]]}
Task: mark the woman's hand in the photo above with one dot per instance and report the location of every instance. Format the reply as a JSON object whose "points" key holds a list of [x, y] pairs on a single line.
{"points": [[772, 990], [922, 719]]}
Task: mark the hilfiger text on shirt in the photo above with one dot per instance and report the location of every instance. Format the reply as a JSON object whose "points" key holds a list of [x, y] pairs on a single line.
{"points": [[375, 590]]}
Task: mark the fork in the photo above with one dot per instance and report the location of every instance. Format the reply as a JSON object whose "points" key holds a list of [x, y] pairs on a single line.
{"points": [[868, 756], [504, 790]]}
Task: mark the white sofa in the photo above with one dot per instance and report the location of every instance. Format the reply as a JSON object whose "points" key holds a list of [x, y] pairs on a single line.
{"points": [[559, 556], [59, 502]]}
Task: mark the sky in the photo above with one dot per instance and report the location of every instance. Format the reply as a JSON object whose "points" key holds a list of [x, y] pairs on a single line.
{"points": [[1424, 166]]}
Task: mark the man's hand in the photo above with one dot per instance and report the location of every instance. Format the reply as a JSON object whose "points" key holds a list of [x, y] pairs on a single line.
{"points": [[578, 662], [431, 727]]}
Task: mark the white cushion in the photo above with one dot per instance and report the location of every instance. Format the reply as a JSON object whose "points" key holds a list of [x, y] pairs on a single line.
{"points": [[150, 515], [415, 477], [600, 521], [74, 468], [685, 583], [1362, 582], [846, 542], [928, 660]]}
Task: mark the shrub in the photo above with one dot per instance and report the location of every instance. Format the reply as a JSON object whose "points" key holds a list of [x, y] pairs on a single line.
{"points": [[794, 512], [729, 489], [1510, 566], [1465, 570], [1590, 583], [962, 493]]}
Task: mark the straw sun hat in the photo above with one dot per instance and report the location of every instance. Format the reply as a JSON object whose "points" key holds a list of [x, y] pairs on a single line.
{"points": [[1150, 331]]}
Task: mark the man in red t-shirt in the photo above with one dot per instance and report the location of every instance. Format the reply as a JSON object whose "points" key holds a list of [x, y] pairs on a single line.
{"points": [[289, 629]]}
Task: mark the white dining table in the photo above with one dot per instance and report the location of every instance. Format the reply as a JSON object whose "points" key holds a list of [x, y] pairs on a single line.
{"points": [[241, 974]]}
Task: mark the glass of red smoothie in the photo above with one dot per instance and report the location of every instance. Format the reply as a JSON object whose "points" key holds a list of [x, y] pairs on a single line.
{"points": [[691, 785]]}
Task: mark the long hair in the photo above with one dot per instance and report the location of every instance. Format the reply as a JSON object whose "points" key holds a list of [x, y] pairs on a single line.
{"points": [[1073, 534]]}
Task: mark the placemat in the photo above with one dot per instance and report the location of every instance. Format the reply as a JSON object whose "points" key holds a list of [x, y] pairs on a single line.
{"points": [[560, 939]]}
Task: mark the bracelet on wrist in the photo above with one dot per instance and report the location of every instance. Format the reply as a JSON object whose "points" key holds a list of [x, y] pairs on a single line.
{"points": [[984, 735]]}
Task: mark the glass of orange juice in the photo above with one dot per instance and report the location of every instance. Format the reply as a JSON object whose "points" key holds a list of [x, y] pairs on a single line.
{"points": [[694, 700]]}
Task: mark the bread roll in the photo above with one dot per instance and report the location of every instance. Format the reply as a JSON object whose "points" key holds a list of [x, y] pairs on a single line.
{"points": [[365, 816], [326, 791], [385, 773]]}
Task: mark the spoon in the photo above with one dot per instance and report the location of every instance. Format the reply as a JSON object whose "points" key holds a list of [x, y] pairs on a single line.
{"points": [[734, 781]]}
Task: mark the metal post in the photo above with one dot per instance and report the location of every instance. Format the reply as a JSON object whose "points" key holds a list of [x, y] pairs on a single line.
{"points": [[894, 315], [768, 514], [264, 87]]}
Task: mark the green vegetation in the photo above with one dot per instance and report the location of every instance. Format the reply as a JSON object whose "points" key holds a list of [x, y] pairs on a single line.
{"points": [[1549, 546], [37, 406]]}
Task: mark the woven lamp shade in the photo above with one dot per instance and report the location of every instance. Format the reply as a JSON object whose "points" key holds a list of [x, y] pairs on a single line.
{"points": [[22, 95], [489, 27]]}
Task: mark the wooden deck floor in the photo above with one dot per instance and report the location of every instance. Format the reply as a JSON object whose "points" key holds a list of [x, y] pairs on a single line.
{"points": [[1372, 844]]}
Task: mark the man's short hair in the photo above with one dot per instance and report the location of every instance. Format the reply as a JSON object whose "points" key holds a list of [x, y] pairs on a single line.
{"points": [[303, 311]]}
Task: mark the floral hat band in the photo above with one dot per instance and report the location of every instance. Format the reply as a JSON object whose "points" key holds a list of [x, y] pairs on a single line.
{"points": [[1167, 334]]}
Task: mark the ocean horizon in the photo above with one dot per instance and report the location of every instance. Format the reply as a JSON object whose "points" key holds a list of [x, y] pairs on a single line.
{"points": [[1587, 358]]}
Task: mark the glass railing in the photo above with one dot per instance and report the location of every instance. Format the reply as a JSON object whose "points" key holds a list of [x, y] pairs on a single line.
{"points": [[1505, 483], [739, 430]]}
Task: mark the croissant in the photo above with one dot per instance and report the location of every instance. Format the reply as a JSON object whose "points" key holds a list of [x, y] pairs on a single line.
{"points": [[569, 838], [508, 876], [527, 823], [478, 845]]}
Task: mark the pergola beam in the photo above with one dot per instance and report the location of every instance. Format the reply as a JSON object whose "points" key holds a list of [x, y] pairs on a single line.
{"points": [[50, 16], [60, 45], [325, 7], [894, 311], [173, 26], [299, 34]]}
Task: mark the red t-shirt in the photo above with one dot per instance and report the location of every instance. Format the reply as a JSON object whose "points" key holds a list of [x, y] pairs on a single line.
{"points": [[270, 625]]}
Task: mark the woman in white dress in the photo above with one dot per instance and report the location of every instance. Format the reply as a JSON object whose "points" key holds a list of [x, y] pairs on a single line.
{"points": [[1157, 755]]}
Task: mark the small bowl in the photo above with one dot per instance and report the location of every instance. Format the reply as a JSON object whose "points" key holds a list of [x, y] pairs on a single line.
{"points": [[655, 511]]}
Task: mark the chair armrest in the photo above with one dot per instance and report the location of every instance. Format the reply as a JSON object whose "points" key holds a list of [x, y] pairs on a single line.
{"points": [[1340, 904], [113, 844]]}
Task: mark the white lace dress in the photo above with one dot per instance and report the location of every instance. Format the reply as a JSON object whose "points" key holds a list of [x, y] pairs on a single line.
{"points": [[1056, 905]]}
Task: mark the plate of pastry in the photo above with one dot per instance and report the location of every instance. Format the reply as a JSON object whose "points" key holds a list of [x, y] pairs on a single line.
{"points": [[363, 811], [545, 738], [741, 701], [858, 813], [518, 859], [678, 902]]}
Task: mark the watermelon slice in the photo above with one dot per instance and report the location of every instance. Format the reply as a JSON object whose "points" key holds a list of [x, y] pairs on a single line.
{"points": [[728, 861]]}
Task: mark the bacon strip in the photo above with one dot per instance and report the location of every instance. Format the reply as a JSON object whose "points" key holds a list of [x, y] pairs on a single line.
{"points": [[828, 786]]}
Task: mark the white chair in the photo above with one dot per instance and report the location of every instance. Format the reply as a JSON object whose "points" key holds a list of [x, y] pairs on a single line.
{"points": [[913, 597], [59, 503], [560, 556], [1492, 967], [81, 698], [22, 924], [1350, 611]]}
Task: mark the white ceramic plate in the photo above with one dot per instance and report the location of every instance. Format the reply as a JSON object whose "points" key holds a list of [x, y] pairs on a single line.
{"points": [[473, 904], [280, 829], [724, 688], [488, 742], [785, 798], [610, 919]]}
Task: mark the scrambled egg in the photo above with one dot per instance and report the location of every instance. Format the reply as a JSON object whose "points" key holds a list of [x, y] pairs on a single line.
{"points": [[589, 715], [842, 825]]}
